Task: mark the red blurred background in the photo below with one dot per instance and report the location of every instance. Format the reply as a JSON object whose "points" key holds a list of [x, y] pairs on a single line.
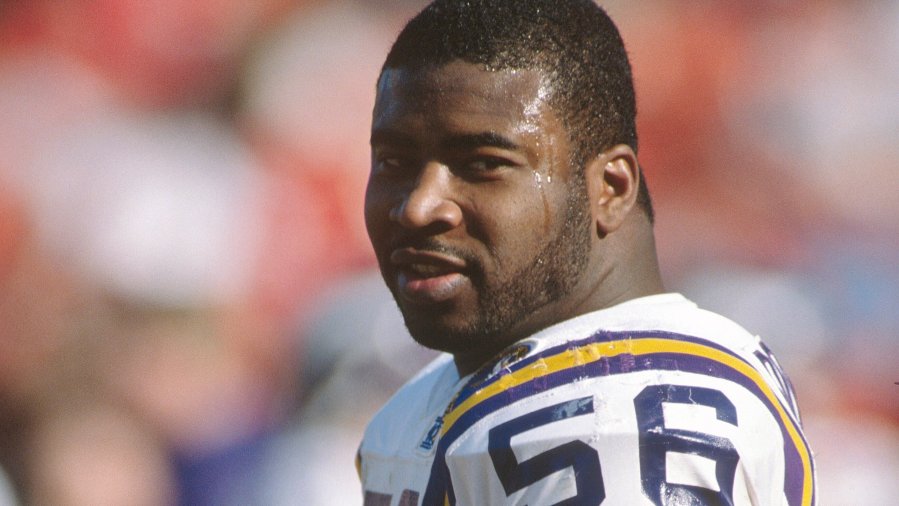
{"points": [[188, 300]]}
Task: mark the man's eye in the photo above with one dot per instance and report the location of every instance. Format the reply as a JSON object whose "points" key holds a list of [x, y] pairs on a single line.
{"points": [[485, 164], [393, 163]]}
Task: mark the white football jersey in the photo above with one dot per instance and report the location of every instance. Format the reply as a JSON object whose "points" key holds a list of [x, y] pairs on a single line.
{"points": [[651, 402]]}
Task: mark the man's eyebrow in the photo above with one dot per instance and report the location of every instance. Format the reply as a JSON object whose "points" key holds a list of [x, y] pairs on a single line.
{"points": [[389, 137], [484, 139], [457, 142]]}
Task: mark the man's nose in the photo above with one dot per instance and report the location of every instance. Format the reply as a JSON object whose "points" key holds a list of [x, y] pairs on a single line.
{"points": [[431, 201]]}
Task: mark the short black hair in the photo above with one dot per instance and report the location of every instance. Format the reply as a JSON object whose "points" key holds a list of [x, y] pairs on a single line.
{"points": [[573, 43]]}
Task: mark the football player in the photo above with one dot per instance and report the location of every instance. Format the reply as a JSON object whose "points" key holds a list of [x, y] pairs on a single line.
{"points": [[511, 222]]}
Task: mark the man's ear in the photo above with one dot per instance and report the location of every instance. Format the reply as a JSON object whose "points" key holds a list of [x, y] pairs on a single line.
{"points": [[613, 178]]}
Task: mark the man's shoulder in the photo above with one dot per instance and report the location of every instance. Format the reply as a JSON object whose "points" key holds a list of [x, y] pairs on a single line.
{"points": [[659, 340], [669, 313], [426, 392]]}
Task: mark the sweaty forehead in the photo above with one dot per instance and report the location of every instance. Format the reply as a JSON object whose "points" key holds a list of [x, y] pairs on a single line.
{"points": [[464, 89]]}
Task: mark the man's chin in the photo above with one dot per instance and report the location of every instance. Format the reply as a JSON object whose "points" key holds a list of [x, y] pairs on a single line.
{"points": [[437, 335]]}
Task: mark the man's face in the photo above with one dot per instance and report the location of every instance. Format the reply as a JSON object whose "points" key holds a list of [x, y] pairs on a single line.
{"points": [[478, 219]]}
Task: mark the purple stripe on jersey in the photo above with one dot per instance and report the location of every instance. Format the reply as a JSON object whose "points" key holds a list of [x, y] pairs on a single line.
{"points": [[606, 366], [485, 376]]}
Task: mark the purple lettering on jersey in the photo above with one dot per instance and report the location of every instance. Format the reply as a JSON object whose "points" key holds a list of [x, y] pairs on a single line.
{"points": [[409, 498], [429, 439], [376, 499]]}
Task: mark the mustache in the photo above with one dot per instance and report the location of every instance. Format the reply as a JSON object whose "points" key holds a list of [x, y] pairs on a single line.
{"points": [[432, 245]]}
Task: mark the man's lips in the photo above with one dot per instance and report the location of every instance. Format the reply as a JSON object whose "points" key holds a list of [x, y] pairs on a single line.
{"points": [[411, 258], [427, 277]]}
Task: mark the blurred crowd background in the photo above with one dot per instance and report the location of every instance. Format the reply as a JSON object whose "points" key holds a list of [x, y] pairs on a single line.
{"points": [[189, 312]]}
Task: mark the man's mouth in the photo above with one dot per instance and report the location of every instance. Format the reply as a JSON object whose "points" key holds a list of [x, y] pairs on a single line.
{"points": [[427, 277], [420, 271]]}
